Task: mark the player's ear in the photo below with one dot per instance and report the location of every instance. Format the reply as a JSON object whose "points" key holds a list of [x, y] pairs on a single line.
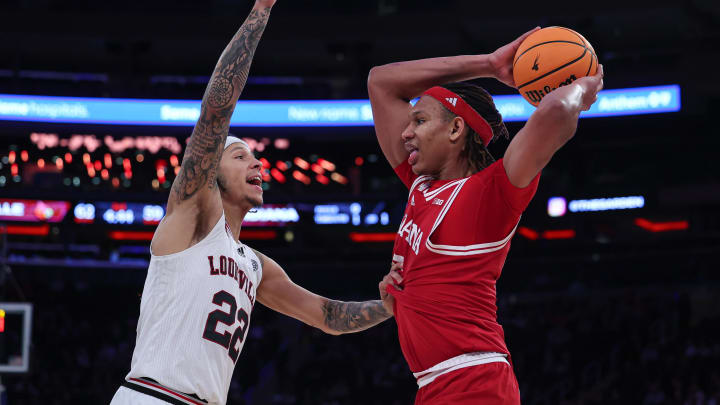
{"points": [[457, 127], [221, 183]]}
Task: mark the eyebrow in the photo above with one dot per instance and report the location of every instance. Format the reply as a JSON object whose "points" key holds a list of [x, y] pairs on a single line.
{"points": [[236, 148], [416, 112]]}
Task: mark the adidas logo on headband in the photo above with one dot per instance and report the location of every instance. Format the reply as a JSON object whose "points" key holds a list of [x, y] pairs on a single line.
{"points": [[458, 106]]}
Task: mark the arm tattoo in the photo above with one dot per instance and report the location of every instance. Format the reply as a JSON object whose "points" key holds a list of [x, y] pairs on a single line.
{"points": [[353, 316], [202, 156]]}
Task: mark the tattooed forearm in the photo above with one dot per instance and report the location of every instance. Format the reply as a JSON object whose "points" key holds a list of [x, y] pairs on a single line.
{"points": [[353, 316], [202, 156], [232, 70]]}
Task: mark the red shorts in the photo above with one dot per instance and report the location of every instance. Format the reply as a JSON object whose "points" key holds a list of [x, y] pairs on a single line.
{"points": [[486, 384]]}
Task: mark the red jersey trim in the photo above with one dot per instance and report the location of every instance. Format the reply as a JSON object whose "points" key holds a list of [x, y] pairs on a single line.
{"points": [[429, 195], [417, 182], [481, 248], [467, 250], [405, 173]]}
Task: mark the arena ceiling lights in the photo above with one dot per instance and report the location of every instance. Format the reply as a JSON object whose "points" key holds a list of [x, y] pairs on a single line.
{"points": [[293, 113]]}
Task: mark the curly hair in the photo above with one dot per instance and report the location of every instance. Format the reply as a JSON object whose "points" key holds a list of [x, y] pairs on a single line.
{"points": [[478, 98]]}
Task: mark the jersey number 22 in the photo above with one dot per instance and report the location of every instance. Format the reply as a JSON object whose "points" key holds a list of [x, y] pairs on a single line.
{"points": [[227, 318]]}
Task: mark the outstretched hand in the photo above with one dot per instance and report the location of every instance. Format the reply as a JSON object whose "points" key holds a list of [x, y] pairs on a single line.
{"points": [[265, 3], [502, 59]]}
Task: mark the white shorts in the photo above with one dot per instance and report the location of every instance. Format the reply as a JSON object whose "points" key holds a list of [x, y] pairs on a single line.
{"points": [[148, 392]]}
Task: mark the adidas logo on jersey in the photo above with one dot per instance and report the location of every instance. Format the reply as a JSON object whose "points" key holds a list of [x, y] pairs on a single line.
{"points": [[412, 201], [451, 100], [438, 201]]}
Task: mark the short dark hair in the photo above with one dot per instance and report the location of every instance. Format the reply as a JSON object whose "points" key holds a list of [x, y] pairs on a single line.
{"points": [[478, 98]]}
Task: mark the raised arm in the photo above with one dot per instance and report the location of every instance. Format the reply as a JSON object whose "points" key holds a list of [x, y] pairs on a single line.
{"points": [[279, 293], [549, 128], [392, 86], [194, 202], [196, 179]]}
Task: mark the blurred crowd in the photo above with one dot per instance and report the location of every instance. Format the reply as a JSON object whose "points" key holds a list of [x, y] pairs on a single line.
{"points": [[650, 346]]}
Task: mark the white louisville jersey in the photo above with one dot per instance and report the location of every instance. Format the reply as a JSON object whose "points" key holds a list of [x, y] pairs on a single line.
{"points": [[195, 314]]}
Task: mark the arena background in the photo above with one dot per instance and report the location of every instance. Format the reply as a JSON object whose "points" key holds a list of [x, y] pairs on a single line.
{"points": [[599, 307]]}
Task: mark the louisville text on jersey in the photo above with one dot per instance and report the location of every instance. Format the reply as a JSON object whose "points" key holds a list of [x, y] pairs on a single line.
{"points": [[226, 266]]}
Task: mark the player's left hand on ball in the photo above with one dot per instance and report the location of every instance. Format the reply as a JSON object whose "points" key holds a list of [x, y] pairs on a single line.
{"points": [[591, 86], [502, 59], [394, 279]]}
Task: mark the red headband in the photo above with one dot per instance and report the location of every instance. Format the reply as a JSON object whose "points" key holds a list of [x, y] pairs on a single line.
{"points": [[459, 107]]}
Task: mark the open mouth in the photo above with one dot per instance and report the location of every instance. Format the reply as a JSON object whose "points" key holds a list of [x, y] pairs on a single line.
{"points": [[255, 181], [413, 157]]}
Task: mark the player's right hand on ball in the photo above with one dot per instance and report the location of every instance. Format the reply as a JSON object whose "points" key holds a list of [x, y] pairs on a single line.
{"points": [[502, 59], [394, 279]]}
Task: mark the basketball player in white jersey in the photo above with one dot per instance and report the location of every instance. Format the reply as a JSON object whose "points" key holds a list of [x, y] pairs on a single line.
{"points": [[202, 283]]}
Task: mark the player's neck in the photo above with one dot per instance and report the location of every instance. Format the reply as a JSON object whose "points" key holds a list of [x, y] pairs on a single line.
{"points": [[234, 216], [455, 170]]}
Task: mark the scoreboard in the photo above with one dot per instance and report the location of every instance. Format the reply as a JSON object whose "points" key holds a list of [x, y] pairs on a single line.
{"points": [[118, 213]]}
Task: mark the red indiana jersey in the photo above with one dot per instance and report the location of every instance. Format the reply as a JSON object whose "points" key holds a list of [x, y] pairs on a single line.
{"points": [[453, 241]]}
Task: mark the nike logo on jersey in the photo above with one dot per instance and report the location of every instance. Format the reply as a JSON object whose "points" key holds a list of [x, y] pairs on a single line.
{"points": [[411, 233]]}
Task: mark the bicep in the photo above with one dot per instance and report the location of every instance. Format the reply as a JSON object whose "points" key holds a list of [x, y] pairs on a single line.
{"points": [[194, 204], [535, 144], [279, 293], [390, 115]]}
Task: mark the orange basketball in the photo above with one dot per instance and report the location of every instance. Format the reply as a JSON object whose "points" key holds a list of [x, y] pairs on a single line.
{"points": [[550, 58]]}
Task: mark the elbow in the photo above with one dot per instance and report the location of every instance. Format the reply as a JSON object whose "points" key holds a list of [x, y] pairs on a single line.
{"points": [[372, 79], [375, 78], [330, 331], [559, 114]]}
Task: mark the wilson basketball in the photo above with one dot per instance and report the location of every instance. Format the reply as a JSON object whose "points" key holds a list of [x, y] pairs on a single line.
{"points": [[550, 58]]}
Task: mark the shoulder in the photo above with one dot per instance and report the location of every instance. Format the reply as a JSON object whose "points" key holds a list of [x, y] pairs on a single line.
{"points": [[485, 176], [495, 178], [255, 256], [493, 170]]}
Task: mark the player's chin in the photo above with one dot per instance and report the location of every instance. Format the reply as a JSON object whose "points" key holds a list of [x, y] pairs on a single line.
{"points": [[255, 200], [418, 168]]}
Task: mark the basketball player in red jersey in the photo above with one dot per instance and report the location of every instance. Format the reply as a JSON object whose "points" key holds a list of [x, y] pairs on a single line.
{"points": [[462, 211], [202, 282]]}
